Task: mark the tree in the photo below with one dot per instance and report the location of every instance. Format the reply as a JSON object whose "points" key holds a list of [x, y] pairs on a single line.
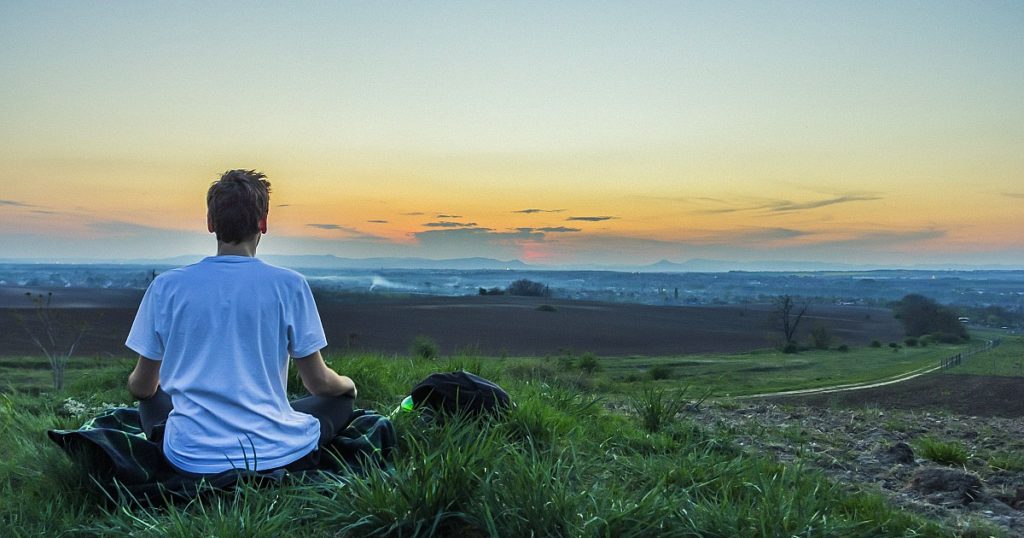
{"points": [[921, 315], [528, 288], [55, 335], [820, 337], [789, 315]]}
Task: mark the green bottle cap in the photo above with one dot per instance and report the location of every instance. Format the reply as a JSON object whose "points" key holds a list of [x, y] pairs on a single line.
{"points": [[407, 404]]}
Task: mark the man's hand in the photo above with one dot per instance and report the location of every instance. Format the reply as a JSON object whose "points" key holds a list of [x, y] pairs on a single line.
{"points": [[144, 379], [320, 380]]}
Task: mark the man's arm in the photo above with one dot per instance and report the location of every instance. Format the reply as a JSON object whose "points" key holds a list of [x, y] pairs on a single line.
{"points": [[144, 379], [320, 380]]}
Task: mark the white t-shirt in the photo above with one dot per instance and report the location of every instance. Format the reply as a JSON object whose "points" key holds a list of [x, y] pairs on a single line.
{"points": [[224, 328]]}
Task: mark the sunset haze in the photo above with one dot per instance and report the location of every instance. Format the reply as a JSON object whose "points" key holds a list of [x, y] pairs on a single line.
{"points": [[875, 133]]}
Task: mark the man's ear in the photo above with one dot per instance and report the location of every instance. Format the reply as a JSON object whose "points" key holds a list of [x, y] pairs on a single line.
{"points": [[262, 224], [209, 223]]}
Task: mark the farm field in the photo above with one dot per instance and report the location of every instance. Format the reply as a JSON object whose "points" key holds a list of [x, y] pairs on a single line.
{"points": [[485, 325]]}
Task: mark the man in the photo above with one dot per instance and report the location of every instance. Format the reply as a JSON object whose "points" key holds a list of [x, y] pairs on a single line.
{"points": [[214, 339]]}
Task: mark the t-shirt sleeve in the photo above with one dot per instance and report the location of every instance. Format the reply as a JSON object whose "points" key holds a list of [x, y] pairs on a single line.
{"points": [[305, 331], [144, 338]]}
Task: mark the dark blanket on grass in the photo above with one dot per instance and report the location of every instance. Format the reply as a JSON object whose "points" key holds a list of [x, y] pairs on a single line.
{"points": [[119, 457]]}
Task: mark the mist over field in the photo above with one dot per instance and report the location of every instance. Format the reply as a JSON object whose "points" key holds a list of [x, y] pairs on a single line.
{"points": [[1004, 289]]}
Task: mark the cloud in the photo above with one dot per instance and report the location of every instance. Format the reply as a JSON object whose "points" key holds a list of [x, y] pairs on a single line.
{"points": [[765, 234], [782, 206], [550, 229], [283, 205], [378, 221], [117, 227], [450, 224], [790, 206], [45, 212], [592, 219], [722, 210], [463, 242], [350, 233], [535, 210], [885, 238], [413, 214], [448, 217], [15, 203], [1014, 194], [742, 237]]}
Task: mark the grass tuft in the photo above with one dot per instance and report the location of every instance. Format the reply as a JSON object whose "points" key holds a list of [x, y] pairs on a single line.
{"points": [[944, 452], [657, 407]]}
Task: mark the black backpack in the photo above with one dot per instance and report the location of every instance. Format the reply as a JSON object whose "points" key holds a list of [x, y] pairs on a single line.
{"points": [[460, 392]]}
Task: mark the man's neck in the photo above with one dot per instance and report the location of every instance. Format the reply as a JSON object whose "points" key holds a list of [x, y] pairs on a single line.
{"points": [[242, 248]]}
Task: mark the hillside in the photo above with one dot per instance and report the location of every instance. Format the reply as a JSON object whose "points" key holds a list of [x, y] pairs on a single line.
{"points": [[572, 459]]}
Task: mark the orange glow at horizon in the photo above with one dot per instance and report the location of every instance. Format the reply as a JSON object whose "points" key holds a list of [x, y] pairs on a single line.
{"points": [[614, 135]]}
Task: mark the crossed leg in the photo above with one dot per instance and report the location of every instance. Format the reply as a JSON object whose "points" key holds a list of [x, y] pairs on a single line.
{"points": [[333, 412]]}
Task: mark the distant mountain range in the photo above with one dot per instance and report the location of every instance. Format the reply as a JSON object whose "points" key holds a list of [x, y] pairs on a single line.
{"points": [[328, 261]]}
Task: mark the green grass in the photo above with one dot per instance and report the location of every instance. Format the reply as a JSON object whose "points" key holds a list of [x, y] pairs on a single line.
{"points": [[1006, 461], [1006, 359], [559, 464], [657, 407], [939, 451], [770, 370]]}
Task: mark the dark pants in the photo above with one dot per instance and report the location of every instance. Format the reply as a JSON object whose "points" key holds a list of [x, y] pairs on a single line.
{"points": [[334, 414]]}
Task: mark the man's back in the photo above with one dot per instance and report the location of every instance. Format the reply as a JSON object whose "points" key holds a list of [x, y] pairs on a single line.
{"points": [[224, 328]]}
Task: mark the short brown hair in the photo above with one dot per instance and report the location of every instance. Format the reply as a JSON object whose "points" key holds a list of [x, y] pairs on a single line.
{"points": [[236, 203]]}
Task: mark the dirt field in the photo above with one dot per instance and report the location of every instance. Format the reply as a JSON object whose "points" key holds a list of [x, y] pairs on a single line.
{"points": [[973, 395], [486, 324]]}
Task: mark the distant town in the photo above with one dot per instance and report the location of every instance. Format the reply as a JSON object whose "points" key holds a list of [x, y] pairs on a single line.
{"points": [[984, 298]]}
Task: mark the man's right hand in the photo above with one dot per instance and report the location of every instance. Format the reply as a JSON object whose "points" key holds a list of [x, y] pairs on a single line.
{"points": [[320, 380]]}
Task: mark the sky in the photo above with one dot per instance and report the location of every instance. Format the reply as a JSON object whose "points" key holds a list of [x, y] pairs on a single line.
{"points": [[613, 133]]}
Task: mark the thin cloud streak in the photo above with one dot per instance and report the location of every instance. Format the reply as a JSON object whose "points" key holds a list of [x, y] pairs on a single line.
{"points": [[550, 229], [784, 206], [117, 227], [592, 219], [790, 206], [1013, 194], [352, 233], [15, 203], [448, 217], [378, 221], [536, 210], [450, 224], [886, 238]]}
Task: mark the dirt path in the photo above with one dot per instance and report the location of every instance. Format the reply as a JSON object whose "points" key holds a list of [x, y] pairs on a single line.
{"points": [[867, 384]]}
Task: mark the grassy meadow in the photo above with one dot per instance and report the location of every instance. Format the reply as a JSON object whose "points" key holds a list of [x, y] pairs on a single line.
{"points": [[1006, 359], [772, 370], [564, 462]]}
